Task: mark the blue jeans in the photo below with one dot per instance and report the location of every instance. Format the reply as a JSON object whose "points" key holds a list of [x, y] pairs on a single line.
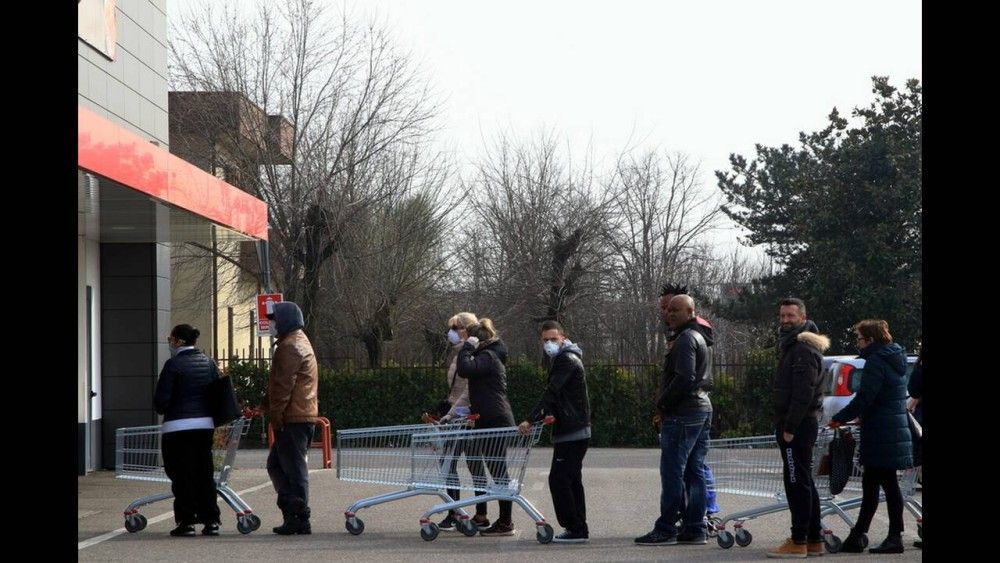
{"points": [[683, 445]]}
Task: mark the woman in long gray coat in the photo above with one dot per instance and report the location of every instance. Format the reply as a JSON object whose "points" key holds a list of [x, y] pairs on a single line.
{"points": [[886, 445]]}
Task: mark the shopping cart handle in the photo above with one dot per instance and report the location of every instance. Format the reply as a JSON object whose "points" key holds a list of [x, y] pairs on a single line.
{"points": [[249, 412], [473, 417], [548, 420]]}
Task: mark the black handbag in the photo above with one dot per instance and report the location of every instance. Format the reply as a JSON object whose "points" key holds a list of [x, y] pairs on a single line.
{"points": [[222, 400], [842, 448]]}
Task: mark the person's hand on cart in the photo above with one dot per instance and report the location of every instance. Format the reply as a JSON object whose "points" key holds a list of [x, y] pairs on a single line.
{"points": [[834, 424], [524, 428]]}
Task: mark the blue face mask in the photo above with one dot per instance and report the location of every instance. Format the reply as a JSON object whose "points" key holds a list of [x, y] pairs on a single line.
{"points": [[551, 348], [173, 350], [453, 337]]}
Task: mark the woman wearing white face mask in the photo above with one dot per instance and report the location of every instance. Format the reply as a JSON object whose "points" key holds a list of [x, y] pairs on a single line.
{"points": [[458, 400]]}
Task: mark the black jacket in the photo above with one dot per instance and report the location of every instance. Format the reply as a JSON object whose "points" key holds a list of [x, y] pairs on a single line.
{"points": [[687, 374], [798, 389], [484, 367], [565, 395], [180, 390], [881, 403]]}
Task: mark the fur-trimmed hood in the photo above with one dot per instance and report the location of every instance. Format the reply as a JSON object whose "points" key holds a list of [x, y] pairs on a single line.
{"points": [[820, 342]]}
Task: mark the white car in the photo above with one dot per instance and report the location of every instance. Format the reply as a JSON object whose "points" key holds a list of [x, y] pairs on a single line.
{"points": [[842, 379]]}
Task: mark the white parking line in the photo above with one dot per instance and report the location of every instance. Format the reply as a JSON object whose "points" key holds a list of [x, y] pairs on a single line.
{"points": [[104, 537]]}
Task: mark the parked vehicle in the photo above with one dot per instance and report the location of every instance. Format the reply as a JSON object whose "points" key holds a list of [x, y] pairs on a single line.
{"points": [[842, 379]]}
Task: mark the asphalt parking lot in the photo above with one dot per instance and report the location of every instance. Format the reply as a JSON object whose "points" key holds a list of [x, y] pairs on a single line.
{"points": [[622, 500]]}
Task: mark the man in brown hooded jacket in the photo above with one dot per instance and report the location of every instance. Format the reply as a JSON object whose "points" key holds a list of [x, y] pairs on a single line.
{"points": [[291, 406]]}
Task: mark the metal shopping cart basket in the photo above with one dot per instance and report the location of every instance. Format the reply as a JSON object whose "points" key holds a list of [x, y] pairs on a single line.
{"points": [[138, 458], [752, 466], [383, 455], [504, 453]]}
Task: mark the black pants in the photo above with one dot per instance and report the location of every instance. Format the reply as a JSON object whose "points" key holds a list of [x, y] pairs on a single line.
{"points": [[566, 485], [286, 465], [803, 500], [187, 460], [494, 455], [871, 480]]}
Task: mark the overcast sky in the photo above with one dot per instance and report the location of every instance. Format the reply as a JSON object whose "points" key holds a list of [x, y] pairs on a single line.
{"points": [[706, 77]]}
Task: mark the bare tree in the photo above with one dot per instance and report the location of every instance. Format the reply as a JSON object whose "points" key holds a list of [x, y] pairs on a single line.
{"points": [[339, 103], [532, 246], [661, 218]]}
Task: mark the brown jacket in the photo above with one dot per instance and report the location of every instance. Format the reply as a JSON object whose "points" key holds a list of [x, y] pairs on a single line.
{"points": [[293, 385]]}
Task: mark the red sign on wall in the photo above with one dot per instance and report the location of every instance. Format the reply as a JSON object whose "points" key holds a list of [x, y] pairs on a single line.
{"points": [[265, 306]]}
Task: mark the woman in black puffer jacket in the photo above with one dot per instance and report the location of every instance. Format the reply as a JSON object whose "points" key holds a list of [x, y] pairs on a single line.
{"points": [[482, 360], [886, 444], [188, 430]]}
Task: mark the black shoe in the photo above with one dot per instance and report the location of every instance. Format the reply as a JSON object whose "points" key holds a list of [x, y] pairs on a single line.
{"points": [[210, 530], [692, 538], [481, 522], [449, 524], [182, 530], [294, 525], [657, 537], [891, 544], [499, 529], [854, 543], [919, 544], [571, 537]]}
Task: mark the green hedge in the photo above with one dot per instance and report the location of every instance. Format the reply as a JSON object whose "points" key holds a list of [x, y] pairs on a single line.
{"points": [[621, 400]]}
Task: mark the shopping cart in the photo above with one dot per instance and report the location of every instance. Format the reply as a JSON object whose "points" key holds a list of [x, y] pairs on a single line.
{"points": [[138, 458], [504, 452], [382, 455], [752, 466]]}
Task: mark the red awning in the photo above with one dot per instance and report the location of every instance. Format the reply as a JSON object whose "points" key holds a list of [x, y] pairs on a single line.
{"points": [[108, 150]]}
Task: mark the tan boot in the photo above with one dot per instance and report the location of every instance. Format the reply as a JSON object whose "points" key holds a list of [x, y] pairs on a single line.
{"points": [[789, 550], [815, 548]]}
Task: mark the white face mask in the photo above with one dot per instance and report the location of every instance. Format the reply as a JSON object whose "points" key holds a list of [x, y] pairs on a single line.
{"points": [[551, 348], [453, 337]]}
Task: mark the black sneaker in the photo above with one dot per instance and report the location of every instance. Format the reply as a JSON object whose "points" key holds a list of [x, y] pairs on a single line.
{"points": [[499, 529], [182, 530], [657, 537], [692, 538], [571, 537], [481, 522], [210, 530], [448, 524]]}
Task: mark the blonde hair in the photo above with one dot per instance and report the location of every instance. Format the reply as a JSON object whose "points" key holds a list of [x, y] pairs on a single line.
{"points": [[464, 320], [483, 330]]}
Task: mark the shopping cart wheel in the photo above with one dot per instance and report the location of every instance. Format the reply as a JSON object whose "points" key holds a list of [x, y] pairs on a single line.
{"points": [[711, 529], [355, 526], [244, 525], [544, 534], [832, 542], [254, 522], [135, 522], [429, 531], [743, 537], [469, 528], [725, 539]]}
